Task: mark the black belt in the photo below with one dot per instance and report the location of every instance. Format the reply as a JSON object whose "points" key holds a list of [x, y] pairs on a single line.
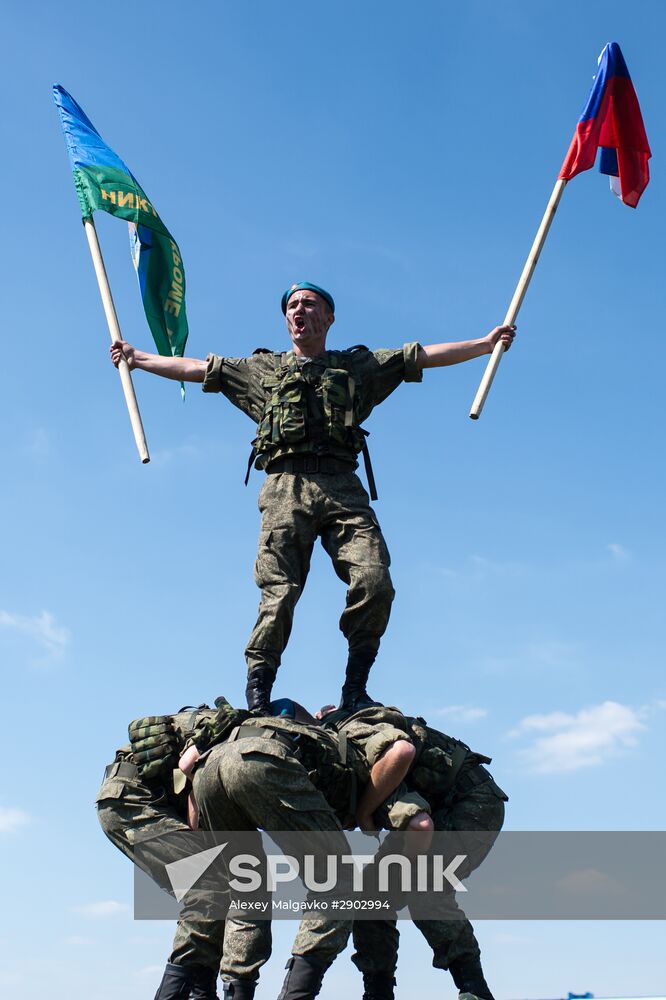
{"points": [[262, 732], [310, 463], [121, 770]]}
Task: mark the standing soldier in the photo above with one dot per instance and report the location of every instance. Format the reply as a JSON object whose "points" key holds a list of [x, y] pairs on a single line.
{"points": [[309, 404]]}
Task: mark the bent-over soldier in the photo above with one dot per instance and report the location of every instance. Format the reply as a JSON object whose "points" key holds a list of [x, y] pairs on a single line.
{"points": [[463, 797], [141, 800]]}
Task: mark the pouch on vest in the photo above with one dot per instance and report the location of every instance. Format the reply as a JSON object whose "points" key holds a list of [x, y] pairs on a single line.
{"points": [[290, 410], [337, 391]]}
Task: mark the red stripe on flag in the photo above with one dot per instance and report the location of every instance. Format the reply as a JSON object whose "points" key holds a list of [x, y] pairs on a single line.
{"points": [[618, 124]]}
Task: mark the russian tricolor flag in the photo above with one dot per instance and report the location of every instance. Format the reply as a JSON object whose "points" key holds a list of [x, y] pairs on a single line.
{"points": [[612, 120]]}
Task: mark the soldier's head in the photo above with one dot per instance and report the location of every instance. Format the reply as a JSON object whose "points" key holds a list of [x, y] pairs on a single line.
{"points": [[288, 709], [309, 311], [324, 711]]}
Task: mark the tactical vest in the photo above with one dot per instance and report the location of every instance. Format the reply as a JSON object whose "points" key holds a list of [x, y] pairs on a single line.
{"points": [[188, 720], [334, 766], [440, 761], [311, 408]]}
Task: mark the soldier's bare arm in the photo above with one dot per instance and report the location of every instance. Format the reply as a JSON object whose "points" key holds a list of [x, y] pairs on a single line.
{"points": [[439, 355], [188, 759], [386, 774], [180, 369]]}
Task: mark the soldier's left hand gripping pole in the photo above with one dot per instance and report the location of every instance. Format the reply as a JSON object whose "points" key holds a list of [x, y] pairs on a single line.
{"points": [[518, 296], [114, 330]]}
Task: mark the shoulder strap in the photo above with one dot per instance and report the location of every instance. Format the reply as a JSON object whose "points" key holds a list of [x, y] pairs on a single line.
{"points": [[372, 485], [250, 462]]}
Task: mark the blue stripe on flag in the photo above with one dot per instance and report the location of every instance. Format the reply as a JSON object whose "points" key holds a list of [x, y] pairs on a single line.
{"points": [[85, 145]]}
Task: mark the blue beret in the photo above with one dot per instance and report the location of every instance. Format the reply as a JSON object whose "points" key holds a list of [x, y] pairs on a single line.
{"points": [[284, 707], [307, 286]]}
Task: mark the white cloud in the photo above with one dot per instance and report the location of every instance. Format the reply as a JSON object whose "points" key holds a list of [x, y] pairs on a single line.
{"points": [[12, 819], [104, 908], [462, 713], [588, 881], [42, 628], [76, 940], [567, 742], [618, 552]]}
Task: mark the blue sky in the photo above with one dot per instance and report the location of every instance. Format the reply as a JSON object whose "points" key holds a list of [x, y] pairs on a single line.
{"points": [[402, 158]]}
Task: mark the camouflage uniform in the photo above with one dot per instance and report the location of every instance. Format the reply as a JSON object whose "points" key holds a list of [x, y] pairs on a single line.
{"points": [[257, 782], [134, 811], [308, 439], [463, 796]]}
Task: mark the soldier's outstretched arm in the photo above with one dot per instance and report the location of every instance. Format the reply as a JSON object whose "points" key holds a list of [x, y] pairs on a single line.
{"points": [[439, 355], [180, 369]]}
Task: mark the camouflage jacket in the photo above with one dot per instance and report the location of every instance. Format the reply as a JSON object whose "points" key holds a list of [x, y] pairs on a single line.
{"points": [[440, 761], [334, 764], [315, 407]]}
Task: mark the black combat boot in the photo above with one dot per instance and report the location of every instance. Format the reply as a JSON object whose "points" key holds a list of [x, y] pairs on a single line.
{"points": [[182, 981], [260, 681], [240, 989], [378, 986], [203, 983], [468, 977], [303, 980], [354, 695]]}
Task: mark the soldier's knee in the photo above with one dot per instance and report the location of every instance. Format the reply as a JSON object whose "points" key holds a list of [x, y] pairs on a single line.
{"points": [[421, 822], [376, 582], [278, 597]]}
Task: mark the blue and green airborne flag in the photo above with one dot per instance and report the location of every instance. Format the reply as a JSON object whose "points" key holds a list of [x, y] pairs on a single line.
{"points": [[104, 182]]}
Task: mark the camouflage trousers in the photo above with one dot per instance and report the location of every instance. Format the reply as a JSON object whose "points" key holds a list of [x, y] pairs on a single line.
{"points": [[255, 782], [132, 812], [376, 942], [296, 509]]}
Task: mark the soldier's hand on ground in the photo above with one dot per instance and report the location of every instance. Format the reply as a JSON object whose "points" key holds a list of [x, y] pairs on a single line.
{"points": [[155, 745], [121, 349], [504, 333], [188, 760]]}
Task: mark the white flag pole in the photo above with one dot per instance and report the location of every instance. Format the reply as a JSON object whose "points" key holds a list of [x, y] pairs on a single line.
{"points": [[114, 330], [518, 296]]}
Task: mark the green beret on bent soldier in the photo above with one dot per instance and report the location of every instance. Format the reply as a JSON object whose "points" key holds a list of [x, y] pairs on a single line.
{"points": [[308, 287]]}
